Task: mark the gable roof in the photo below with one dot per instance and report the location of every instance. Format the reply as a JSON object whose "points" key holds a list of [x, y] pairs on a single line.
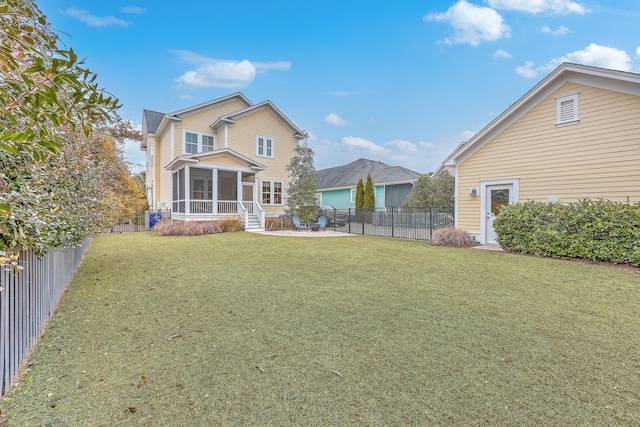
{"points": [[268, 105], [178, 162], [618, 81], [154, 122], [348, 175]]}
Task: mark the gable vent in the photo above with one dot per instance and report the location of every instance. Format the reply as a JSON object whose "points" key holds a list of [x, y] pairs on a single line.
{"points": [[567, 109]]}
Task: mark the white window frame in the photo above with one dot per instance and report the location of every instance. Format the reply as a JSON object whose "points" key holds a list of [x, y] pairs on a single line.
{"points": [[353, 195], [200, 137], [265, 146], [271, 192], [572, 102]]}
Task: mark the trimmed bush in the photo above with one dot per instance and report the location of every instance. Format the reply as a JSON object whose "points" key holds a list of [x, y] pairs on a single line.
{"points": [[595, 230], [451, 236], [196, 228]]}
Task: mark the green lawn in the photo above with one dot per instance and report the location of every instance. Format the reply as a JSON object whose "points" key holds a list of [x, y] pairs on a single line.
{"points": [[249, 329]]}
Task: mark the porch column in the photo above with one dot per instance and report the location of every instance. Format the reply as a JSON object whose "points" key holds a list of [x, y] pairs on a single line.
{"points": [[187, 190], [214, 187], [239, 186]]}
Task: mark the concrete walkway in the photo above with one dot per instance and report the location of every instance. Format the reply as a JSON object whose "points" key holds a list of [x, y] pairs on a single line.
{"points": [[304, 233], [495, 248]]}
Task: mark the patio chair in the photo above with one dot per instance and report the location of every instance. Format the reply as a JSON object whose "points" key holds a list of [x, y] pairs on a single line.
{"points": [[296, 223], [323, 222]]}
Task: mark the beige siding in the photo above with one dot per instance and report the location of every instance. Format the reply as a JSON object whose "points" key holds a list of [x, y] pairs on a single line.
{"points": [[201, 121], [165, 175], [224, 161], [242, 139], [597, 158]]}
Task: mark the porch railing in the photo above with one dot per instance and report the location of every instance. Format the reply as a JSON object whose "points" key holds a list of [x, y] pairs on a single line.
{"points": [[201, 206], [228, 207], [249, 207]]}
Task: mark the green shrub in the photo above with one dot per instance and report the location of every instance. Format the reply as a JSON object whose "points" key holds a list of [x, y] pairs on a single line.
{"points": [[596, 230], [451, 236]]}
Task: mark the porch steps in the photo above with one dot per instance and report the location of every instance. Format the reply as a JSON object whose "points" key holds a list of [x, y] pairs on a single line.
{"points": [[253, 224]]}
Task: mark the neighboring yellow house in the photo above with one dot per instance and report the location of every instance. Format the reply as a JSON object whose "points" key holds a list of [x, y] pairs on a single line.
{"points": [[222, 158], [575, 135]]}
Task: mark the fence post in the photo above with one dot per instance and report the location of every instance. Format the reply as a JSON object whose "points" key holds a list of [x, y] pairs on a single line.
{"points": [[392, 222], [430, 223]]}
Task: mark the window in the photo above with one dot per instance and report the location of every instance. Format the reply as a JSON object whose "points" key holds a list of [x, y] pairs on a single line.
{"points": [[264, 146], [567, 110], [272, 192], [353, 195], [318, 199], [198, 142]]}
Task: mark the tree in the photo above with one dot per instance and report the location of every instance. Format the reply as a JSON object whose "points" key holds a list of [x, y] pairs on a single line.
{"points": [[53, 186], [432, 191], [303, 184], [359, 200], [369, 200]]}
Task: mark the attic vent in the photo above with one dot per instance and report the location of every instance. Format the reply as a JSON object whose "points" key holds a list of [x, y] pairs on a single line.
{"points": [[567, 110]]}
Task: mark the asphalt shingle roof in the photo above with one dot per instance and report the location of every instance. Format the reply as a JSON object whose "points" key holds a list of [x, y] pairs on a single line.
{"points": [[153, 119], [348, 175]]}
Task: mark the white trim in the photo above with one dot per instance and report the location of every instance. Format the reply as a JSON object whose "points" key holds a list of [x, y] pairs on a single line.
{"points": [[200, 134], [226, 137], [173, 140], [567, 105], [456, 203], [272, 181], [514, 196], [266, 146]]}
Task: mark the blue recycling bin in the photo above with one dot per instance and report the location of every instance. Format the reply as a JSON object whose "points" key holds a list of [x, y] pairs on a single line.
{"points": [[154, 218]]}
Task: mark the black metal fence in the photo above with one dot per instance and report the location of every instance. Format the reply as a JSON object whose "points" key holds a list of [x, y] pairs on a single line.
{"points": [[140, 221], [394, 222]]}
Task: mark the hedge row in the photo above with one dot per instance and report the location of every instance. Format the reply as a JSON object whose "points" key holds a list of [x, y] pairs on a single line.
{"points": [[600, 231]]}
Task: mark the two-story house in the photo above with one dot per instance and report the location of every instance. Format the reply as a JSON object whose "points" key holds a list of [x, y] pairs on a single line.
{"points": [[219, 159]]}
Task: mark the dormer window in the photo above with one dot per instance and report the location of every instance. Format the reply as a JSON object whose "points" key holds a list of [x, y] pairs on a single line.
{"points": [[567, 110]]}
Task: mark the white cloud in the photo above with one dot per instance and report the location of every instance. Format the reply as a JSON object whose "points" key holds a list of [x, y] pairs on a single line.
{"points": [[83, 15], [638, 51], [560, 31], [222, 73], [426, 144], [527, 70], [539, 6], [467, 135], [133, 10], [472, 24], [355, 141], [278, 65], [501, 54], [404, 146], [594, 55], [336, 120]]}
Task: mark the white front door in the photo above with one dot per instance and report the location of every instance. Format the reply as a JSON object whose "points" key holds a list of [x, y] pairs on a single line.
{"points": [[497, 196]]}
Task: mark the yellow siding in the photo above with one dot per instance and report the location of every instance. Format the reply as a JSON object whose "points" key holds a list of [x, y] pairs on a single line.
{"points": [[201, 121], [224, 161], [242, 139], [164, 180], [597, 158]]}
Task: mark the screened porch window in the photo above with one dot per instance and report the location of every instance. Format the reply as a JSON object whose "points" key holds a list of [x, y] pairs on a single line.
{"points": [[178, 191]]}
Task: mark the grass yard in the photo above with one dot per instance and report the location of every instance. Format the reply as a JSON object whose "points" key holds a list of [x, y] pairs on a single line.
{"points": [[249, 329]]}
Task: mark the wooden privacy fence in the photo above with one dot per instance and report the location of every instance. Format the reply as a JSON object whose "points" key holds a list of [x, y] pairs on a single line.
{"points": [[28, 301]]}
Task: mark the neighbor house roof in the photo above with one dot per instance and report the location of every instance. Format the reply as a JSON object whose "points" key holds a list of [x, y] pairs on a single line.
{"points": [[619, 81], [348, 175]]}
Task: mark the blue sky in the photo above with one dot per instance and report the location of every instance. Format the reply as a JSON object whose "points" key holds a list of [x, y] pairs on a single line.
{"points": [[403, 82]]}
